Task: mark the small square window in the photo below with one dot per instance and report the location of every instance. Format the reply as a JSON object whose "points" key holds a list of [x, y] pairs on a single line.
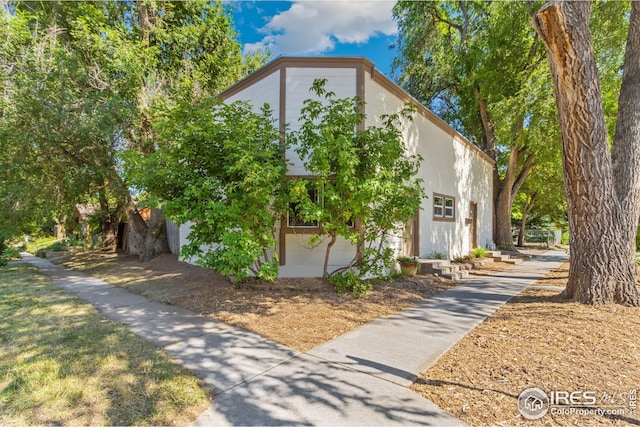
{"points": [[438, 206], [444, 207], [449, 208]]}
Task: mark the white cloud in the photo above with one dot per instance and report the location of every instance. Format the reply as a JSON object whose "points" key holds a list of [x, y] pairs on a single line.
{"points": [[315, 26]]}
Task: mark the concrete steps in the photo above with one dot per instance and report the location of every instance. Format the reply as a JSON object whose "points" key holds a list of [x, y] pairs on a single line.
{"points": [[499, 256], [443, 268]]}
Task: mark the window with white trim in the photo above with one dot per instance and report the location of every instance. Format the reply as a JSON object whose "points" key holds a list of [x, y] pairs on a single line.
{"points": [[444, 207]]}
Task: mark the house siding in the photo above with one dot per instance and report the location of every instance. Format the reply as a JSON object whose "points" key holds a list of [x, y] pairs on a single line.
{"points": [[341, 81], [451, 165], [266, 90]]}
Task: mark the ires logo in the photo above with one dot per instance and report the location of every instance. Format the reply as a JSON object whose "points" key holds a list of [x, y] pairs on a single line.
{"points": [[563, 397]]}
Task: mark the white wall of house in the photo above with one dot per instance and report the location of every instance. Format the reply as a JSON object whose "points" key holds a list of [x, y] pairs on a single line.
{"points": [[341, 81], [450, 167], [264, 91]]}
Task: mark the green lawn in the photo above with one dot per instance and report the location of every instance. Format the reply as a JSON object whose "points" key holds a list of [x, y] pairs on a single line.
{"points": [[62, 363]]}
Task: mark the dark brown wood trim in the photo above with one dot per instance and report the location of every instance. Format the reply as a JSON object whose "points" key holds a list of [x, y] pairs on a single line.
{"points": [[282, 240], [416, 235], [360, 93], [283, 62], [455, 208]]}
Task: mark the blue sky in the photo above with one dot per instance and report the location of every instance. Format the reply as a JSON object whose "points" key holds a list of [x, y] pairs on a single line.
{"points": [[318, 28]]}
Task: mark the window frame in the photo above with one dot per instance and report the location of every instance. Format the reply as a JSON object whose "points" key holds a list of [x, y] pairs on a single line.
{"points": [[310, 229], [446, 209], [315, 226]]}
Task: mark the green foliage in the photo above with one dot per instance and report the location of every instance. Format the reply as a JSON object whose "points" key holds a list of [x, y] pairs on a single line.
{"points": [[220, 166], [437, 255], [81, 81], [350, 281], [564, 239], [365, 178], [408, 260], [479, 252]]}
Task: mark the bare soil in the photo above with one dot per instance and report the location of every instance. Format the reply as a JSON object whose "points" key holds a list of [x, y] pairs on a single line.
{"points": [[539, 340]]}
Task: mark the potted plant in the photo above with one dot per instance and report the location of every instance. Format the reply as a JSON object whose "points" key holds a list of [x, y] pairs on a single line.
{"points": [[408, 265]]}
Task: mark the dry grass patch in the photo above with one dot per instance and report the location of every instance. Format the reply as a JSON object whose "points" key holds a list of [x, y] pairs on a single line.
{"points": [[62, 363], [539, 340]]}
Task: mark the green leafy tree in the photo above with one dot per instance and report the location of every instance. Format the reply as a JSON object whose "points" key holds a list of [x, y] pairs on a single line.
{"points": [[365, 178], [541, 200], [82, 82], [468, 61], [222, 167]]}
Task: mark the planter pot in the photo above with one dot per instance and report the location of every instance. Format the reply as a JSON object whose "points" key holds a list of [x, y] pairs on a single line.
{"points": [[408, 268]]}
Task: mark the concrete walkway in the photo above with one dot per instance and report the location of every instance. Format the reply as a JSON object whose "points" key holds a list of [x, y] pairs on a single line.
{"points": [[360, 378]]}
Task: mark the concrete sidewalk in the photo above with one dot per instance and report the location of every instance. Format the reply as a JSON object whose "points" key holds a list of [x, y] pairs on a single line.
{"points": [[360, 378]]}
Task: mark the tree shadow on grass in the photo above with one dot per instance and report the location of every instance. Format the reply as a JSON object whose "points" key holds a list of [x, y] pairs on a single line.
{"points": [[85, 369]]}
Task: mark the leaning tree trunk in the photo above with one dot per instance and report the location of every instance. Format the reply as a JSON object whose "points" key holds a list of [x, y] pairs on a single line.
{"points": [[504, 190], [600, 269], [518, 168]]}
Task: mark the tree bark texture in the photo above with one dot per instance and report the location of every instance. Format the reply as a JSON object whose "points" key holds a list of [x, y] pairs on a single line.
{"points": [[600, 269], [626, 148], [525, 213], [518, 168], [151, 236]]}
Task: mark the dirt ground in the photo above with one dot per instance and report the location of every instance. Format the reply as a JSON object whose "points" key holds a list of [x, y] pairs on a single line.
{"points": [[536, 340], [299, 313], [539, 340]]}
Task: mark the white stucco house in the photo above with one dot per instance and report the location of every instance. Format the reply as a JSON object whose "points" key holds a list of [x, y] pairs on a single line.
{"points": [[457, 176]]}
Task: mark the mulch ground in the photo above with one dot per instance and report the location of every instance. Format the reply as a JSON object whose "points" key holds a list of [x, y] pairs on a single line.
{"points": [[299, 313], [539, 340], [536, 340]]}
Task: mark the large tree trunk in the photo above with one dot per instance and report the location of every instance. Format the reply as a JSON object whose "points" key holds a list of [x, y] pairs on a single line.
{"points": [[518, 168], [151, 236], [601, 269], [109, 229], [505, 189], [109, 222], [626, 148]]}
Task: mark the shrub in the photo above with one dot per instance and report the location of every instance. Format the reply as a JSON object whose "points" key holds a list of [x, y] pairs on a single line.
{"points": [[350, 281], [479, 252], [462, 259], [564, 239]]}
